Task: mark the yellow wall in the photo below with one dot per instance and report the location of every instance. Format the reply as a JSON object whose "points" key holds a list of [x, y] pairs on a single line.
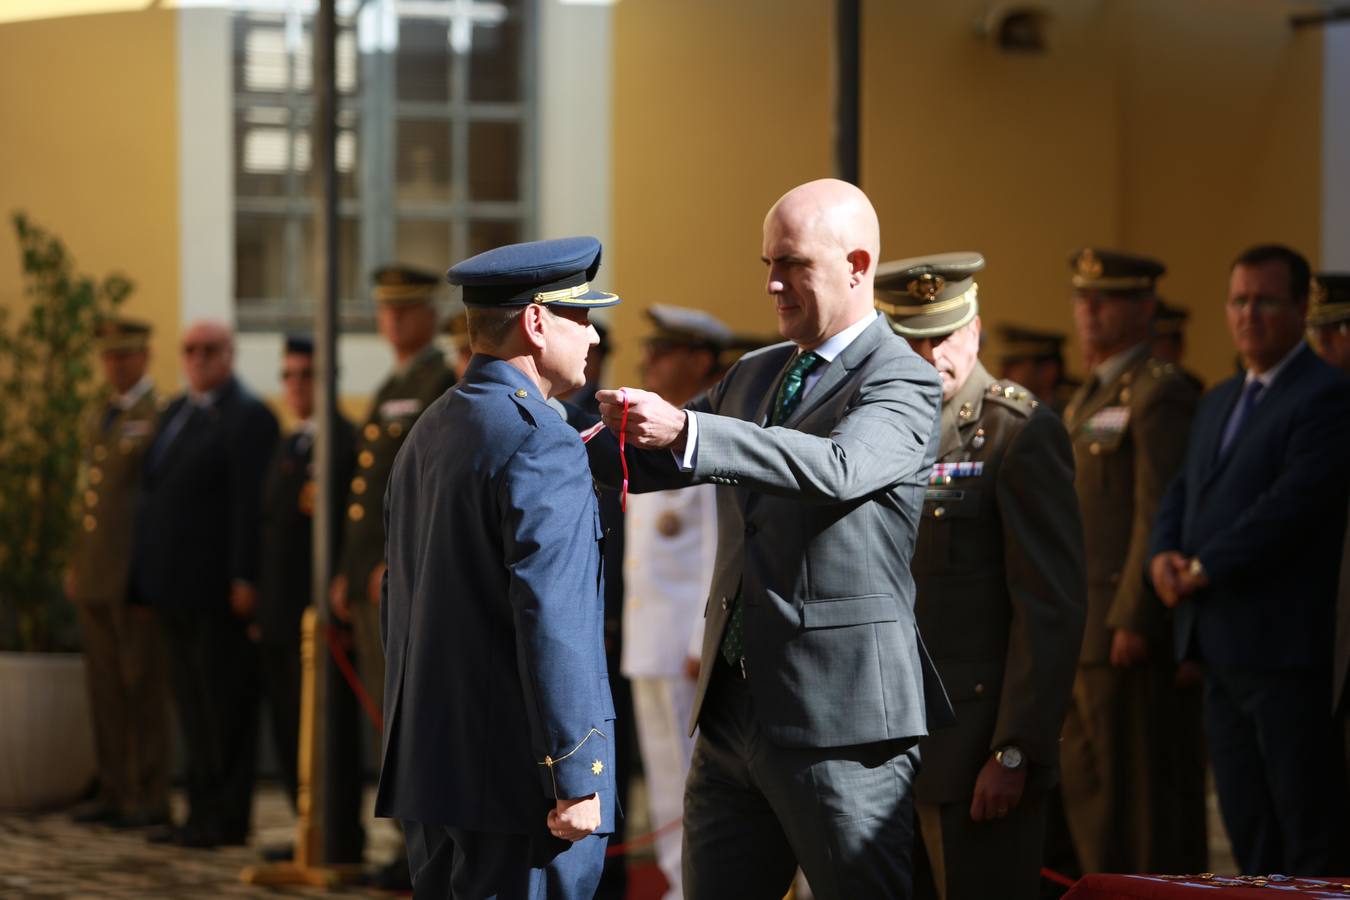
{"points": [[90, 151], [710, 98], [1185, 131]]}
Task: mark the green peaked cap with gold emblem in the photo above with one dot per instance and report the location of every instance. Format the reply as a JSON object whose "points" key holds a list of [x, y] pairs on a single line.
{"points": [[929, 296]]}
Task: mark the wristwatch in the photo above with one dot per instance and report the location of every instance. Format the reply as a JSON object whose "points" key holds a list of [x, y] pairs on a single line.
{"points": [[1010, 757]]}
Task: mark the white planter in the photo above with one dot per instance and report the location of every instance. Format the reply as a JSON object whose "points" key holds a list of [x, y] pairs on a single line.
{"points": [[46, 735]]}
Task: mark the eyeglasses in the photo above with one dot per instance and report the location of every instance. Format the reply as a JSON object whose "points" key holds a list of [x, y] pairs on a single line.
{"points": [[209, 349], [289, 374], [1261, 305]]}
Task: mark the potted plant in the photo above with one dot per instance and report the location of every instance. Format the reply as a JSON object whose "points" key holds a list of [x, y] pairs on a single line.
{"points": [[46, 381]]}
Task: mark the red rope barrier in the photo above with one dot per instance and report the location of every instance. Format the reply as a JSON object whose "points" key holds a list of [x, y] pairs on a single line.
{"points": [[643, 840], [339, 654], [1052, 875]]}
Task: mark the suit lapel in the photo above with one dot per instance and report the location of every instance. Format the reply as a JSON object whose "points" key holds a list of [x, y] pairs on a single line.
{"points": [[837, 372], [1270, 399], [766, 399]]}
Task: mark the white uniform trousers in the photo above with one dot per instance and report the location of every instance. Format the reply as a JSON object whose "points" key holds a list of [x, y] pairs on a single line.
{"points": [[662, 707]]}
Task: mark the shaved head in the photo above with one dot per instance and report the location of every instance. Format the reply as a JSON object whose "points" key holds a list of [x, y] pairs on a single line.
{"points": [[822, 241], [208, 354]]}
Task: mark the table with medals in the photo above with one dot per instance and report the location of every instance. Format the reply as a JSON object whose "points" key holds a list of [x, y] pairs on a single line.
{"points": [[1207, 885]]}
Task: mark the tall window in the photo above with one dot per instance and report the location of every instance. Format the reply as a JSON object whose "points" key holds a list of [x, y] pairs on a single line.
{"points": [[433, 153]]}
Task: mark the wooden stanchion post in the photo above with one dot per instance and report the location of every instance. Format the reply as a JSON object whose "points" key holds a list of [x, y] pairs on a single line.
{"points": [[306, 866]]}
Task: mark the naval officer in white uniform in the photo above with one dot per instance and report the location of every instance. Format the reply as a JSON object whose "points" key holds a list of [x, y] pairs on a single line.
{"points": [[671, 544]]}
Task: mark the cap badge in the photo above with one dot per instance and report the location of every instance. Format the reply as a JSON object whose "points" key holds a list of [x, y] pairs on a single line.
{"points": [[1317, 292], [925, 287], [1089, 266]]}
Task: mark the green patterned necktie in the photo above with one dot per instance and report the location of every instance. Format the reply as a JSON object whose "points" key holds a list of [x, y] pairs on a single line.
{"points": [[789, 397]]}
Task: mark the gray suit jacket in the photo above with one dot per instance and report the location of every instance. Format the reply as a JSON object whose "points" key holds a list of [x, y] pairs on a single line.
{"points": [[816, 525]]}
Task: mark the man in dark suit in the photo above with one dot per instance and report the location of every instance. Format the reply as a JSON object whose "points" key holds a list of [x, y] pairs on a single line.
{"points": [[284, 591], [1246, 548], [497, 753], [195, 560], [814, 687], [1001, 595]]}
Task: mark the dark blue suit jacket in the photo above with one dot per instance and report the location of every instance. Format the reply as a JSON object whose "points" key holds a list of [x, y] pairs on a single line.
{"points": [[199, 503], [497, 697], [1266, 521]]}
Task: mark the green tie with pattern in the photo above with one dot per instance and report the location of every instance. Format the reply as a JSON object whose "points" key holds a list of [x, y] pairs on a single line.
{"points": [[789, 396]]}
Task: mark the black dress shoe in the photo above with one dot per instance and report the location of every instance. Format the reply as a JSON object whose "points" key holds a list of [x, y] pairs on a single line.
{"points": [[96, 814], [394, 876], [164, 834], [199, 837], [278, 853], [139, 820]]}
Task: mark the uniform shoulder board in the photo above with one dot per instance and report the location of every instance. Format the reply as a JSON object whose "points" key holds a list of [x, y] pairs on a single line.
{"points": [[528, 406], [1013, 396]]}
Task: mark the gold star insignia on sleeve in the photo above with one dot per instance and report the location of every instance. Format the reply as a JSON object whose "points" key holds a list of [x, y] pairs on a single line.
{"points": [[597, 767]]}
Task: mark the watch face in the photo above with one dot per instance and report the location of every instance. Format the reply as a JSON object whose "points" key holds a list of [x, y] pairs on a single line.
{"points": [[1011, 758]]}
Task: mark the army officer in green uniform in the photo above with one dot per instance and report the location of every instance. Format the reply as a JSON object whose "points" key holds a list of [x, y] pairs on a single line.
{"points": [[407, 319], [1133, 766], [123, 653], [1001, 594]]}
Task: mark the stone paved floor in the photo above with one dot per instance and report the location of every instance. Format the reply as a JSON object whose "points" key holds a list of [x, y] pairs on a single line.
{"points": [[47, 855]]}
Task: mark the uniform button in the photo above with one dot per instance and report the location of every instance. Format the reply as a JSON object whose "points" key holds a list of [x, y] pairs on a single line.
{"points": [[979, 688], [90, 523], [395, 429], [356, 512], [1125, 395], [522, 393], [939, 512], [1095, 448], [100, 452], [725, 603], [95, 475], [90, 499], [366, 459], [358, 485], [371, 432]]}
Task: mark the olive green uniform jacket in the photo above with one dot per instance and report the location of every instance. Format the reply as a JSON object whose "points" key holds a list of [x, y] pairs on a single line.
{"points": [[397, 405], [125, 665], [1133, 776], [1001, 595]]}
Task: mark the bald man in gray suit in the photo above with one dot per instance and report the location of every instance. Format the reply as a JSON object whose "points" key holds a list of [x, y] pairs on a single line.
{"points": [[814, 686]]}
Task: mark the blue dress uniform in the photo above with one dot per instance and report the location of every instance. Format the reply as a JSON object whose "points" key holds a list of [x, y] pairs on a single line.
{"points": [[497, 694]]}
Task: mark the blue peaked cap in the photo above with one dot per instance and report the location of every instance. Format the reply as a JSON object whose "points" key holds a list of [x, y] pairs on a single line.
{"points": [[555, 273]]}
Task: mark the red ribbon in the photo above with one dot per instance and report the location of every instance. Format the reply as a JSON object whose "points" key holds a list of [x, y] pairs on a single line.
{"points": [[623, 459]]}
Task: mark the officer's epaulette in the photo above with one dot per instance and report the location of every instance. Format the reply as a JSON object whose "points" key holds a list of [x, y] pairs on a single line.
{"points": [[528, 405], [1013, 396]]}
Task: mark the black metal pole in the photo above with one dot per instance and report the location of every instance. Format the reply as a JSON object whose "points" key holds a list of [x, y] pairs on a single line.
{"points": [[324, 159], [847, 32]]}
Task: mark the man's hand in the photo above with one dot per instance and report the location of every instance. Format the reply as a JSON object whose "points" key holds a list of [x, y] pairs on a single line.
{"points": [[243, 600], [337, 599], [1189, 581], [374, 585], [1165, 570], [653, 424], [998, 790], [1128, 648], [572, 820]]}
